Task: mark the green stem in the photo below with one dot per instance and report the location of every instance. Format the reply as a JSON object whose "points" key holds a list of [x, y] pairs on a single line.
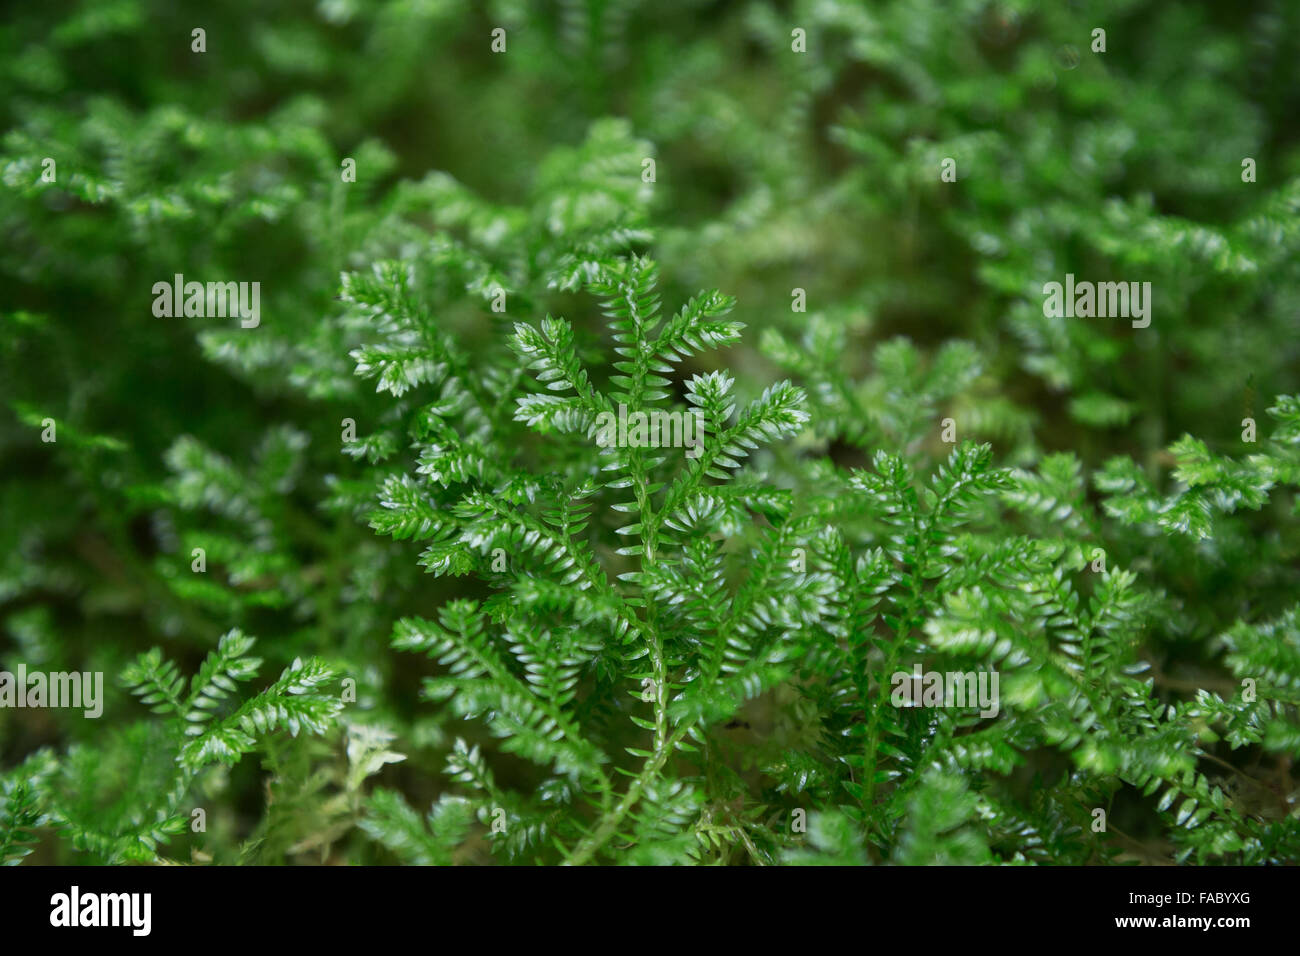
{"points": [[608, 824]]}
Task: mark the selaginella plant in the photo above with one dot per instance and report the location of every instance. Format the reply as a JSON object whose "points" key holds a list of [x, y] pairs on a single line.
{"points": [[697, 662], [677, 658], [668, 605], [586, 646]]}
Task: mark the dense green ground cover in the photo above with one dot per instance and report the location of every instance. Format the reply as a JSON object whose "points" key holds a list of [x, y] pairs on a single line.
{"points": [[431, 619]]}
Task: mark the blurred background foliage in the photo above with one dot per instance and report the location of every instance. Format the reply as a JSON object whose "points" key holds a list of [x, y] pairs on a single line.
{"points": [[775, 170]]}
